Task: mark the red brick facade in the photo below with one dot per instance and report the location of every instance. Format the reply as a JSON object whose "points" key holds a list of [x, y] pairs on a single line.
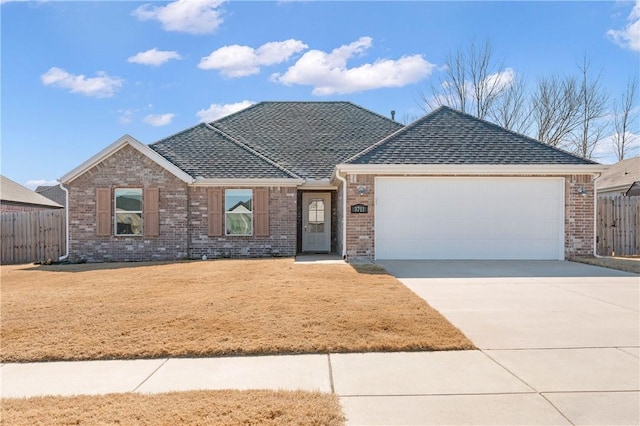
{"points": [[127, 168], [282, 228], [183, 216]]}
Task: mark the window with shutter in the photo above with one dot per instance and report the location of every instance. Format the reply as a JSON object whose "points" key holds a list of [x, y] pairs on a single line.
{"points": [[238, 212], [128, 202]]}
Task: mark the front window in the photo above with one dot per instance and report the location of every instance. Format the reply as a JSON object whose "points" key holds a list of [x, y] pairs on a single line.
{"points": [[128, 211], [238, 207]]}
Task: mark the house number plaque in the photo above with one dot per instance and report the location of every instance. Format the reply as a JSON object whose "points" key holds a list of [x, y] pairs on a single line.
{"points": [[359, 208]]}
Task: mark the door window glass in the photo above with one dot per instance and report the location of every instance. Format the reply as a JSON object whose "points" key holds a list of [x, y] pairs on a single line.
{"points": [[316, 215]]}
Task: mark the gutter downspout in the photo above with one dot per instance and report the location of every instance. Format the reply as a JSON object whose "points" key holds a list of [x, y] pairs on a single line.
{"points": [[595, 214], [66, 211], [344, 214]]}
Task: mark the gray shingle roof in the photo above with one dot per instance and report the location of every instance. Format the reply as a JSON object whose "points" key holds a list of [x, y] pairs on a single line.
{"points": [[307, 138], [54, 193], [202, 151], [447, 136]]}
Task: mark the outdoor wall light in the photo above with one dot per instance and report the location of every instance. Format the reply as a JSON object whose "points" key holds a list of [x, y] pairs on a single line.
{"points": [[582, 191], [362, 190]]}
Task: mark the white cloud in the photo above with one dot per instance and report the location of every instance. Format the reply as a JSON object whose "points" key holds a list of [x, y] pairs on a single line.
{"points": [[158, 120], [154, 57], [190, 16], [101, 86], [216, 111], [605, 151], [241, 61], [34, 183], [329, 74], [629, 36], [501, 80]]}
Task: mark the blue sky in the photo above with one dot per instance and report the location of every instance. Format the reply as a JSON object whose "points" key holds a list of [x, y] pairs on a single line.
{"points": [[76, 76]]}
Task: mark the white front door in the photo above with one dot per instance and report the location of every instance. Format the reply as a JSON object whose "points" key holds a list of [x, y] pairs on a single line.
{"points": [[316, 222]]}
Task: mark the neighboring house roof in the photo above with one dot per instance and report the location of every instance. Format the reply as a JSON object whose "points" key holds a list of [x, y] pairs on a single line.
{"points": [[54, 193], [620, 176], [307, 138], [447, 136], [206, 152], [13, 192]]}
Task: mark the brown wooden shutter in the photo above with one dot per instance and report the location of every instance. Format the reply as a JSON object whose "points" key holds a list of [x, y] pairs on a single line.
{"points": [[261, 212], [103, 212], [215, 212], [151, 212]]}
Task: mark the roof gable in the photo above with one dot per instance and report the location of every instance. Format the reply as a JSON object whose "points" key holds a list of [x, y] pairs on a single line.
{"points": [[307, 138], [205, 152], [118, 145], [447, 136]]}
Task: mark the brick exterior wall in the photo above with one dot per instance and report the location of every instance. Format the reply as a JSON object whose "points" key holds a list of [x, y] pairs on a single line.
{"points": [[360, 226], [282, 228], [579, 216], [578, 226], [127, 168], [183, 219]]}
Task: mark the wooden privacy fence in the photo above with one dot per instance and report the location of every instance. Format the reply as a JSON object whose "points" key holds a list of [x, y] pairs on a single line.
{"points": [[618, 226], [32, 236]]}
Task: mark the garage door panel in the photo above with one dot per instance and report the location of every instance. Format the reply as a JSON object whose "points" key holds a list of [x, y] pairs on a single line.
{"points": [[469, 218]]}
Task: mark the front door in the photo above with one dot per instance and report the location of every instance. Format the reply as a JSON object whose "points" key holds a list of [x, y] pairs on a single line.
{"points": [[316, 222]]}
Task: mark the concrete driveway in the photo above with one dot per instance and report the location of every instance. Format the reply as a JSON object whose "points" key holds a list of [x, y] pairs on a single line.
{"points": [[568, 333]]}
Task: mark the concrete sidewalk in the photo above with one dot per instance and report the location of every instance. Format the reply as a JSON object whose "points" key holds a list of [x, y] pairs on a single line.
{"points": [[556, 348], [460, 387]]}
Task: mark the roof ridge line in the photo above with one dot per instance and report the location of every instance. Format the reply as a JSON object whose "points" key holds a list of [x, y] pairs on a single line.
{"points": [[252, 151], [175, 134], [386, 138]]}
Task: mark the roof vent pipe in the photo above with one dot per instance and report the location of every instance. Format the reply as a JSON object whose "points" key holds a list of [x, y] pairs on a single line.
{"points": [[393, 115]]}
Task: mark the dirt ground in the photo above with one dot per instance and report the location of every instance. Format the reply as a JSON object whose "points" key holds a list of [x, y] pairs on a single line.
{"points": [[211, 308], [627, 264], [222, 408]]}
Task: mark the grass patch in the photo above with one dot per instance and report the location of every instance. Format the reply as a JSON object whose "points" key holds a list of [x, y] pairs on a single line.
{"points": [[627, 264], [259, 407], [213, 308]]}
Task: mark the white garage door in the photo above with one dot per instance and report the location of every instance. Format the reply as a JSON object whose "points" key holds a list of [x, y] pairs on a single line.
{"points": [[469, 218]]}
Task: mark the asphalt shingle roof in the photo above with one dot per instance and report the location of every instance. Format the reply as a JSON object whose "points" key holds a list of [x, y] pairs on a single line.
{"points": [[14, 192], [307, 138], [202, 151], [447, 136]]}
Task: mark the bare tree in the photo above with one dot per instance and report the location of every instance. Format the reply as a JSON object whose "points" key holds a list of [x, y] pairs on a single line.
{"points": [[623, 119], [592, 108], [472, 82], [555, 108], [512, 109]]}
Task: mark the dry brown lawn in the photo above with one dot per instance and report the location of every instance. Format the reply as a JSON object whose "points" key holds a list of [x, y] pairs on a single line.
{"points": [[179, 408], [627, 264], [211, 308]]}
